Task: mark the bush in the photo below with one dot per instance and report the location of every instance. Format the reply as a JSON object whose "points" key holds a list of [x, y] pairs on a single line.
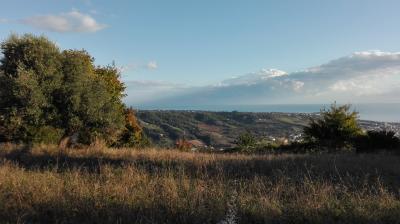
{"points": [[48, 135], [334, 130], [246, 142], [263, 147], [376, 141], [133, 135]]}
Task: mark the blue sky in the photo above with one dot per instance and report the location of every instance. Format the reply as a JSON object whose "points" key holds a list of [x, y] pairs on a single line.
{"points": [[201, 43]]}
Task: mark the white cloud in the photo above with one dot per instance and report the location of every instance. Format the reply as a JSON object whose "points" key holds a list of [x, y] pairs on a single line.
{"points": [[359, 64], [152, 65], [297, 85], [375, 53], [3, 20], [133, 66], [357, 87], [73, 21], [253, 78], [362, 77]]}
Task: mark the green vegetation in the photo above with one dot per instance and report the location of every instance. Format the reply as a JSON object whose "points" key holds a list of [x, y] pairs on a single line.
{"points": [[217, 129], [246, 142], [273, 132], [101, 185], [375, 141], [48, 94], [133, 135], [335, 129]]}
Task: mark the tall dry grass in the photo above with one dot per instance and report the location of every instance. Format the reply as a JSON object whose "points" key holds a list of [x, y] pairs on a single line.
{"points": [[101, 185]]}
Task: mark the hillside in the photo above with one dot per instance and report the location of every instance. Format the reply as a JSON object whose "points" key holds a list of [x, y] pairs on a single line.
{"points": [[220, 129]]}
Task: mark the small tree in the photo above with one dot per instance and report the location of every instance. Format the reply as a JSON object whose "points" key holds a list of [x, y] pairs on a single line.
{"points": [[334, 129], [246, 142], [133, 135]]}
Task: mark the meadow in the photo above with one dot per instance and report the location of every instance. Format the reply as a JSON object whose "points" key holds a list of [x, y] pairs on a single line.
{"points": [[96, 184]]}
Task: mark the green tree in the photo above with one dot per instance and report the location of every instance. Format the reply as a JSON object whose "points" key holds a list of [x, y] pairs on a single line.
{"points": [[132, 135], [246, 142], [47, 93], [111, 76], [30, 73], [88, 104], [334, 129]]}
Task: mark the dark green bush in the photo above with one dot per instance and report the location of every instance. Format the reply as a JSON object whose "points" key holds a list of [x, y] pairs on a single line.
{"points": [[246, 142], [376, 141], [48, 135], [334, 129]]}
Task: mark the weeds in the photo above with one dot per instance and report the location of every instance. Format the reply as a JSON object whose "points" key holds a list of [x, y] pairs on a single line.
{"points": [[102, 185]]}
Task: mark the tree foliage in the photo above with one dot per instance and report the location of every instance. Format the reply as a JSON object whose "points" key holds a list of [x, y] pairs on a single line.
{"points": [[246, 142], [46, 90], [30, 72], [132, 135], [334, 129], [375, 141]]}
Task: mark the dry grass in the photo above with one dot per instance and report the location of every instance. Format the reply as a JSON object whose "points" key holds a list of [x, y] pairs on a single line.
{"points": [[100, 185]]}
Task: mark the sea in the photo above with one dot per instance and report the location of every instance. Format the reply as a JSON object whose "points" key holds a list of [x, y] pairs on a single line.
{"points": [[384, 112]]}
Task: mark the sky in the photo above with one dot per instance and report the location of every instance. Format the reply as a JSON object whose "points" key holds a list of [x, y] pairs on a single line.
{"points": [[174, 51]]}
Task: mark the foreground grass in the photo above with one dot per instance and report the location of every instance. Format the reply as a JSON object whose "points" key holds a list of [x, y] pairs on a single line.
{"points": [[100, 185]]}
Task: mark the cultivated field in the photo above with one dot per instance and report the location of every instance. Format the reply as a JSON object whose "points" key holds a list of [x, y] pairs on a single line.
{"points": [[101, 185]]}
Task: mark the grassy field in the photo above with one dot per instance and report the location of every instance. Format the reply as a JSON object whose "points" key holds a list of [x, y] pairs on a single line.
{"points": [[101, 185]]}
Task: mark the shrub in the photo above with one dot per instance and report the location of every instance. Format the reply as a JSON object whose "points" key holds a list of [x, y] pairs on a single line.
{"points": [[334, 129], [375, 141], [246, 142], [48, 135], [133, 135], [266, 147]]}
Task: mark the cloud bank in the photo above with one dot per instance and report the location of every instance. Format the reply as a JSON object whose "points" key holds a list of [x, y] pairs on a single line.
{"points": [[134, 66], [73, 21], [362, 77]]}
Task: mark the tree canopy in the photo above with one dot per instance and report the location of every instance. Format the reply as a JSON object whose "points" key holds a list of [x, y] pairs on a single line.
{"points": [[48, 93], [335, 128]]}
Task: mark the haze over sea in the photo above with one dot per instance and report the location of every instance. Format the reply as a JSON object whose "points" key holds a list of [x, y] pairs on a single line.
{"points": [[385, 112]]}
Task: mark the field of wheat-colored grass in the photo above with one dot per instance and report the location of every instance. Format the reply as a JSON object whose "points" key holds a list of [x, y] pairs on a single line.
{"points": [[96, 184]]}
